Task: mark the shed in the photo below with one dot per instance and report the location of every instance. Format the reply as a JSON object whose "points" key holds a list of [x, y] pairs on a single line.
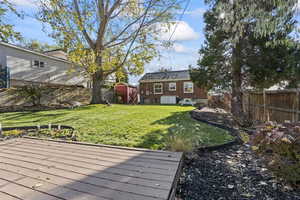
{"points": [[127, 94]]}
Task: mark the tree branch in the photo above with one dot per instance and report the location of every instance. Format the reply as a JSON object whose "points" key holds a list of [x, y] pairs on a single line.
{"points": [[83, 30]]}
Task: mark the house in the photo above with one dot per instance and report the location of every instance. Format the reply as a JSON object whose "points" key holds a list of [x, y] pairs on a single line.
{"points": [[169, 87], [51, 67]]}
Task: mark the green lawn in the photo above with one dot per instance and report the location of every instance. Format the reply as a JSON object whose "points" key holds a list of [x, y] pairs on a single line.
{"points": [[126, 125]]}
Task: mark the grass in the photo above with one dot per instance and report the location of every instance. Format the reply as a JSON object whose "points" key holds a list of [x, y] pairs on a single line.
{"points": [[147, 126]]}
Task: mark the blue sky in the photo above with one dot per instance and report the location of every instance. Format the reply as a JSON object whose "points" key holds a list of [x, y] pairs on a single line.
{"points": [[188, 36]]}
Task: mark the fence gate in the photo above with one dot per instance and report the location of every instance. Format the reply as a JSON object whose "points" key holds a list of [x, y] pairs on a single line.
{"points": [[4, 77]]}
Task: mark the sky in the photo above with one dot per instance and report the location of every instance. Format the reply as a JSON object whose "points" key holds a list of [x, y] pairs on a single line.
{"points": [[188, 36]]}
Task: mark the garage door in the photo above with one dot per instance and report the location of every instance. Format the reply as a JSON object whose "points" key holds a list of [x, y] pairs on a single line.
{"points": [[168, 100]]}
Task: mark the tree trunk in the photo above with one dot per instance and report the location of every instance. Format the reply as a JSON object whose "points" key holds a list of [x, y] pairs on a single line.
{"points": [[237, 94], [98, 84]]}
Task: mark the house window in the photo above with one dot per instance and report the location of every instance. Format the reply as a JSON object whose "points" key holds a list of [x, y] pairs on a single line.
{"points": [[158, 88], [38, 64], [188, 87], [172, 86], [42, 64]]}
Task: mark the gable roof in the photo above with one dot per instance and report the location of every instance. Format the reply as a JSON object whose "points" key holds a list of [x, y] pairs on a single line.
{"points": [[166, 76], [33, 52]]}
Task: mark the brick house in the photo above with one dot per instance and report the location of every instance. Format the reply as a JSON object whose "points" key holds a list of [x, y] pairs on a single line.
{"points": [[169, 87]]}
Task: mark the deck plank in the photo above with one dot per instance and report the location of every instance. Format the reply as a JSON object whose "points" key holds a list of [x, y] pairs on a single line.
{"points": [[138, 159], [73, 171], [109, 148], [123, 164], [101, 174], [130, 173], [5, 196], [170, 156]]}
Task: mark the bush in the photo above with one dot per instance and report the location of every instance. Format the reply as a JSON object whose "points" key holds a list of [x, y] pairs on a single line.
{"points": [[14, 133], [33, 93], [179, 144], [65, 134], [279, 144]]}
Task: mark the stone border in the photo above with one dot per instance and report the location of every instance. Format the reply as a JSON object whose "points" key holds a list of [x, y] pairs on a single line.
{"points": [[232, 131]]}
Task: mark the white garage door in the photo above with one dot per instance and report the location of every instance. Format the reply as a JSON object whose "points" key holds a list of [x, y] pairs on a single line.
{"points": [[168, 100]]}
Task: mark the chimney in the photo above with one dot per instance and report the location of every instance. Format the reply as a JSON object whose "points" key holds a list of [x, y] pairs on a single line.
{"points": [[58, 53]]}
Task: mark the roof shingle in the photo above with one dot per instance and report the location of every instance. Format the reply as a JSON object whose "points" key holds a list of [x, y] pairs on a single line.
{"points": [[168, 75]]}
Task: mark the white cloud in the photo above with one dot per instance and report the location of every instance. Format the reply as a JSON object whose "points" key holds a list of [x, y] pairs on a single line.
{"points": [[24, 3], [183, 32], [179, 48], [197, 12]]}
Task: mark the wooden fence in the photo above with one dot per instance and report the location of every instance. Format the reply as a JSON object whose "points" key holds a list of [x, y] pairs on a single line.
{"points": [[279, 105]]}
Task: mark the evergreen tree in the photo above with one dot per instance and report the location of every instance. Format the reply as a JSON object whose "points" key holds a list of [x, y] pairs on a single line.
{"points": [[241, 51]]}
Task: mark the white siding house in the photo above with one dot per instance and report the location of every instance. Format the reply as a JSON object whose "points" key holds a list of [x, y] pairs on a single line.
{"points": [[30, 66]]}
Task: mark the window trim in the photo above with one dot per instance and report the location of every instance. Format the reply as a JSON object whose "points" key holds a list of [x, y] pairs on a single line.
{"points": [[186, 92], [155, 84], [173, 90]]}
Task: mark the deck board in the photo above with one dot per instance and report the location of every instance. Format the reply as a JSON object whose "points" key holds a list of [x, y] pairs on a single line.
{"points": [[78, 171]]}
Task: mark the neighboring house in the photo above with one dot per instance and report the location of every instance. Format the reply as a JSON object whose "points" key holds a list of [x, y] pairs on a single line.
{"points": [[169, 87], [52, 67]]}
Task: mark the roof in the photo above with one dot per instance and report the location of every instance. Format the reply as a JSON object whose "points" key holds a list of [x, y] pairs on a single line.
{"points": [[54, 50], [34, 52], [166, 76], [126, 84]]}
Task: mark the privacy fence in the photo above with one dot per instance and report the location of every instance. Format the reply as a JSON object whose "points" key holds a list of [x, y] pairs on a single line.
{"points": [[279, 105]]}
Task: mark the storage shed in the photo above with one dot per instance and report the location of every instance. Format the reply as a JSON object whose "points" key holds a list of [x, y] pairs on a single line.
{"points": [[126, 94]]}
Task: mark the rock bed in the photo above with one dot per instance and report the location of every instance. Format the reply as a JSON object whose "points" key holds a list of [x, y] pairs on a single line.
{"points": [[232, 173]]}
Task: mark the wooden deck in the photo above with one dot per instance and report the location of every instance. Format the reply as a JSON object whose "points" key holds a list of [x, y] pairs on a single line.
{"points": [[34, 169]]}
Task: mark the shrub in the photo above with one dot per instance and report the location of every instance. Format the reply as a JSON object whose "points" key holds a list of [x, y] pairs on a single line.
{"points": [[56, 134], [33, 93], [13, 133], [179, 144], [279, 144]]}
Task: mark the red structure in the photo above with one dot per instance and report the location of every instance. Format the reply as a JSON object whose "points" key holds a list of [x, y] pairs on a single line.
{"points": [[126, 94]]}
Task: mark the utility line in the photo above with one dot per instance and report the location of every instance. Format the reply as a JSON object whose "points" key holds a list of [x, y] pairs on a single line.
{"points": [[176, 26], [180, 18]]}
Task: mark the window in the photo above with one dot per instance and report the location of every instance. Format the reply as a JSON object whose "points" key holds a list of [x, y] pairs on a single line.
{"points": [[188, 87], [42, 64], [172, 86], [38, 64], [158, 88]]}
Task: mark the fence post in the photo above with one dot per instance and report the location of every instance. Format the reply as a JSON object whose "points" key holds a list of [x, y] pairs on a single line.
{"points": [[265, 107], [297, 105]]}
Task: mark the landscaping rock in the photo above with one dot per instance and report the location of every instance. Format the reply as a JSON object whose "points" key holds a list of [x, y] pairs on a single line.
{"points": [[232, 173]]}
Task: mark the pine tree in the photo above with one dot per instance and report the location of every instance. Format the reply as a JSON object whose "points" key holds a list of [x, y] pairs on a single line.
{"points": [[240, 52]]}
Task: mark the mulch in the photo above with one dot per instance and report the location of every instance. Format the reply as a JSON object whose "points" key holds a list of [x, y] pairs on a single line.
{"points": [[230, 173]]}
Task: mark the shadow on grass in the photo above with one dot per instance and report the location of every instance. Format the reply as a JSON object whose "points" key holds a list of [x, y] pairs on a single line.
{"points": [[182, 125]]}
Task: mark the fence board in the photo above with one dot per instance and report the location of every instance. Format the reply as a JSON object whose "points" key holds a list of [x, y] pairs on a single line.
{"points": [[279, 105]]}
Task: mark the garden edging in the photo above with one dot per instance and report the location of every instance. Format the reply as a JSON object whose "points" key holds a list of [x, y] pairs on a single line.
{"points": [[234, 132]]}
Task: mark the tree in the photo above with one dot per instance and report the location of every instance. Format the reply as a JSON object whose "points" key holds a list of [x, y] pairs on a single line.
{"points": [[36, 45], [7, 31], [246, 41], [104, 36], [122, 76]]}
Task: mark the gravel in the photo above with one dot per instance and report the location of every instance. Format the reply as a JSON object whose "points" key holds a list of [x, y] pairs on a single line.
{"points": [[232, 173]]}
